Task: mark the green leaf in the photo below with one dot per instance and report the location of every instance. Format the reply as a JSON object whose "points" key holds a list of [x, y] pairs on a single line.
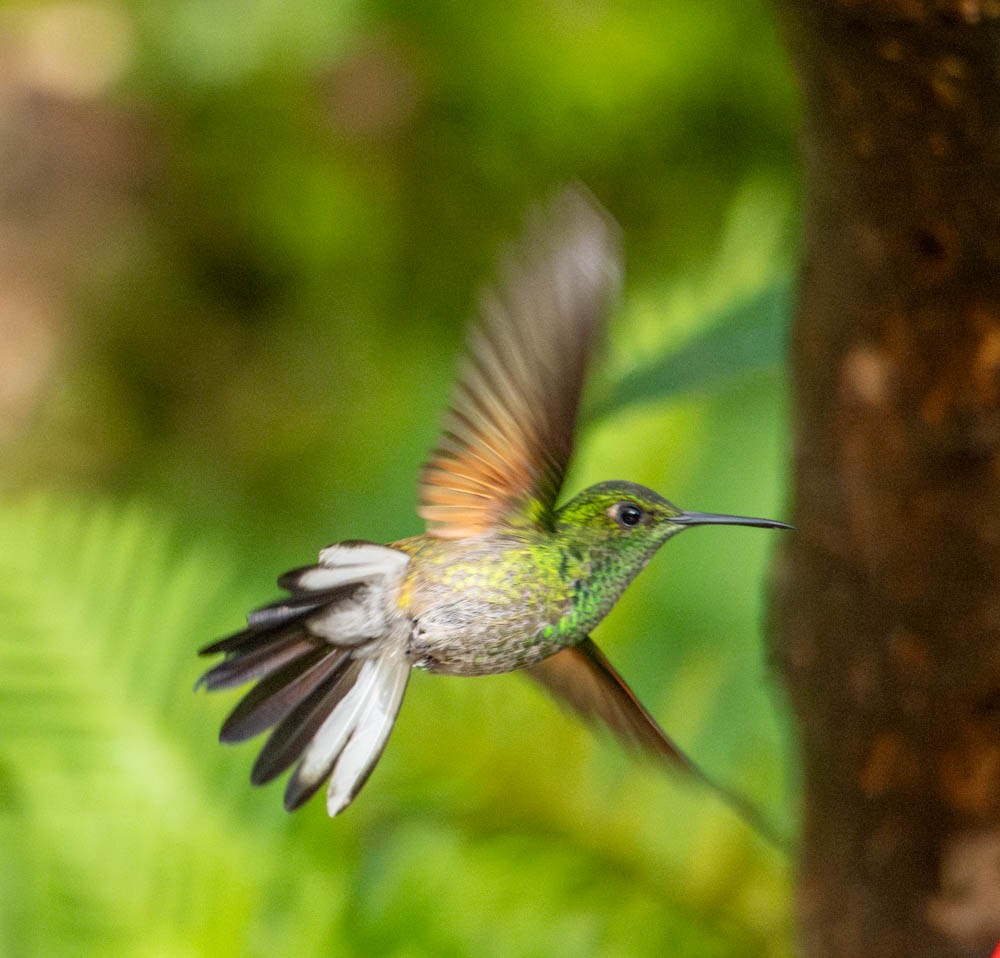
{"points": [[750, 337]]}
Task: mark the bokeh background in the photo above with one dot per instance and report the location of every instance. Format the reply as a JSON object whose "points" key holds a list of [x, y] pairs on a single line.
{"points": [[239, 244]]}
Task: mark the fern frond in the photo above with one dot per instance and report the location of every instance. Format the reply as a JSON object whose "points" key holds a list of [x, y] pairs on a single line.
{"points": [[120, 839]]}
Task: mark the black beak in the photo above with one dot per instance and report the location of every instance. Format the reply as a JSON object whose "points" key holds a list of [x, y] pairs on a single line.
{"points": [[713, 518]]}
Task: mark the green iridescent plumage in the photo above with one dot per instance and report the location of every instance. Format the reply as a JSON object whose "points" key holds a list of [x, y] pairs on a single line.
{"points": [[503, 579]]}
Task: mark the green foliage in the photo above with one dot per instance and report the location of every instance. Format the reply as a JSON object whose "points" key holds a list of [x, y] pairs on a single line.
{"points": [[117, 839]]}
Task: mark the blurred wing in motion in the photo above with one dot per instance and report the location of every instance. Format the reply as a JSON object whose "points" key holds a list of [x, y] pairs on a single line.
{"points": [[584, 679], [508, 436]]}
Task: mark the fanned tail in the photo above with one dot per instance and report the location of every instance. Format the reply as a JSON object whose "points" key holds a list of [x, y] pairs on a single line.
{"points": [[331, 668]]}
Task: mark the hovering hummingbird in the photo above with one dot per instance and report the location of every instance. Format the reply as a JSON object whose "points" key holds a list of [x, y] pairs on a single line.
{"points": [[503, 578]]}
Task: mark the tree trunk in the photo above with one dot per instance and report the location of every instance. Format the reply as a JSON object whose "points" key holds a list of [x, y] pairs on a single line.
{"points": [[888, 600]]}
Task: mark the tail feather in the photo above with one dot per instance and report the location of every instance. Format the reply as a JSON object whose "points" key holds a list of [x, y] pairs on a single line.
{"points": [[273, 698], [344, 563], [263, 624], [330, 666], [292, 735], [299, 605], [258, 662], [238, 643], [353, 736], [365, 747]]}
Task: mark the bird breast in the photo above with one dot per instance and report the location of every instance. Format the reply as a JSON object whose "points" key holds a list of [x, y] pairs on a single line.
{"points": [[477, 609]]}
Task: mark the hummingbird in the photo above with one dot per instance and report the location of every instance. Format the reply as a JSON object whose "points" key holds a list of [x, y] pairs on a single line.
{"points": [[504, 578]]}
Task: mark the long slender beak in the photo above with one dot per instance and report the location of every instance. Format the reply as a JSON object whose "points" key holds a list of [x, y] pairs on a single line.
{"points": [[714, 518]]}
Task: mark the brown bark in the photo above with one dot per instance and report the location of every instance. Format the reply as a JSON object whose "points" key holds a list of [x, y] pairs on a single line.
{"points": [[889, 595]]}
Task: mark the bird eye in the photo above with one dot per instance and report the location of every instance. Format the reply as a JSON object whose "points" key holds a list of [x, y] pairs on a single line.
{"points": [[627, 514]]}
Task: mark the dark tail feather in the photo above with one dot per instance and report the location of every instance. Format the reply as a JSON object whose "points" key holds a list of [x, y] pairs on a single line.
{"points": [[273, 698], [291, 736], [296, 607], [242, 641], [264, 624], [258, 661]]}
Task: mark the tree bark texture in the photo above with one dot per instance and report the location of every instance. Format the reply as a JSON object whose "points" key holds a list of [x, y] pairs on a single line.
{"points": [[888, 599]]}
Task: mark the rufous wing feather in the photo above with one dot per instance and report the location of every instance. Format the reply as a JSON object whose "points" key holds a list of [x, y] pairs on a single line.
{"points": [[508, 436], [584, 679]]}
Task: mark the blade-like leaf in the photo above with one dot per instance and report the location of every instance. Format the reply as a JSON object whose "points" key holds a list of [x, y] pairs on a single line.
{"points": [[749, 337]]}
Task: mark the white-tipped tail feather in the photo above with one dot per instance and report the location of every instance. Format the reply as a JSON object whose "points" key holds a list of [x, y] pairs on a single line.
{"points": [[363, 730], [331, 667]]}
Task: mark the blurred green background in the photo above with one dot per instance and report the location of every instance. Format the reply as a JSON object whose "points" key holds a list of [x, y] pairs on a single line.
{"points": [[239, 243]]}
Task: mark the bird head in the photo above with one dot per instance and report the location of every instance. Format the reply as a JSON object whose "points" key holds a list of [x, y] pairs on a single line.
{"points": [[630, 519]]}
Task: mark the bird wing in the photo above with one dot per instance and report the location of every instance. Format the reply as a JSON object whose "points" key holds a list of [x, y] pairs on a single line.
{"points": [[508, 435], [583, 678]]}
